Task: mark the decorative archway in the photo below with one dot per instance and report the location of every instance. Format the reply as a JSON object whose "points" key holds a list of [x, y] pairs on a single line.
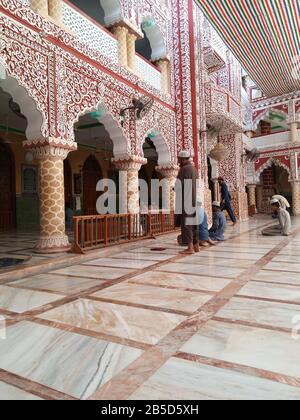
{"points": [[7, 188], [37, 120], [121, 146], [266, 114], [155, 37], [161, 146], [91, 174], [272, 161]]}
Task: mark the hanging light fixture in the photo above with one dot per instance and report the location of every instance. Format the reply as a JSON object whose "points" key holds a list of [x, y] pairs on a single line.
{"points": [[220, 152]]}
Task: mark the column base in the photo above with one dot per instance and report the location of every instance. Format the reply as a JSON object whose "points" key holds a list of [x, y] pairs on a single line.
{"points": [[52, 245]]}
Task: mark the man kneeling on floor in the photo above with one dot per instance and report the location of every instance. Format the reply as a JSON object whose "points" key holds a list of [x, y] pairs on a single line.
{"points": [[217, 231], [285, 225]]}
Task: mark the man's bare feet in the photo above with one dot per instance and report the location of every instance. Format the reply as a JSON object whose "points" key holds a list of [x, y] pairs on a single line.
{"points": [[204, 243], [188, 251], [212, 243], [196, 248]]}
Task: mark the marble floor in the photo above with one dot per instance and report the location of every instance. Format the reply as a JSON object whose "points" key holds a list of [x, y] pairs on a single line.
{"points": [[133, 323]]}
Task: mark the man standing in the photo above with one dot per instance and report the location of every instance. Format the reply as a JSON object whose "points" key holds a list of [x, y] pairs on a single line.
{"points": [[186, 203], [217, 231], [226, 200]]}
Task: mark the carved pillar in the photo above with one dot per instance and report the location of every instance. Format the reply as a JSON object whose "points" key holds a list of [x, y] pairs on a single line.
{"points": [[217, 196], [259, 189], [131, 39], [296, 197], [50, 155], [55, 10], [164, 66], [170, 174], [294, 132], [40, 6], [122, 33], [252, 195], [129, 185]]}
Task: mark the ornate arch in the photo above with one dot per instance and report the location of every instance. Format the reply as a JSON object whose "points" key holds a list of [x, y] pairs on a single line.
{"points": [[266, 113], [268, 164], [161, 146], [155, 36], [102, 113], [25, 73], [112, 11]]}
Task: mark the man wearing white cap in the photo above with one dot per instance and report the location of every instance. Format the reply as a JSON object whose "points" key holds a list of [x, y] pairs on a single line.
{"points": [[186, 201], [285, 224], [217, 231]]}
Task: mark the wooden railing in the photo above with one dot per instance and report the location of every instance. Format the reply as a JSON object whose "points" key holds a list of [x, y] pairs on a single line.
{"points": [[92, 232]]}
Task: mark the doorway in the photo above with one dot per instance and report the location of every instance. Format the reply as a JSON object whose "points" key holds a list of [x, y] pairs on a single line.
{"points": [[7, 189], [91, 174]]}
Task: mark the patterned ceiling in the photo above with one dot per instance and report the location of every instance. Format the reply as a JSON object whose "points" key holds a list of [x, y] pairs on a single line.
{"points": [[265, 37]]}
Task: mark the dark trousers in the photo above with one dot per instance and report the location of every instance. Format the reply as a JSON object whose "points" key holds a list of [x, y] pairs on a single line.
{"points": [[190, 233], [227, 206]]}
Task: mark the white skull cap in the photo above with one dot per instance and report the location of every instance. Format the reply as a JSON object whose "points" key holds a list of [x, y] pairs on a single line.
{"points": [[216, 204], [184, 154]]}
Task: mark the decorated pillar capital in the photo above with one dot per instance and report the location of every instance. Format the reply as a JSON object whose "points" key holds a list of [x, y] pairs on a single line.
{"points": [[129, 163], [168, 171], [250, 133], [55, 148]]}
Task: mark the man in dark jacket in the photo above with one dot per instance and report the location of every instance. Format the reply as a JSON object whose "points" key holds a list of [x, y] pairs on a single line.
{"points": [[226, 200], [187, 200]]}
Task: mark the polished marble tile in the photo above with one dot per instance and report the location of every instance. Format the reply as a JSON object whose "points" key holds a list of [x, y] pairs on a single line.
{"points": [[178, 300], [290, 252], [105, 273], [142, 325], [67, 362], [121, 263], [11, 393], [230, 255], [280, 266], [185, 380], [202, 270], [23, 300], [287, 259], [169, 251], [152, 256], [257, 247], [66, 285], [271, 291], [183, 281], [273, 314], [277, 277], [212, 261], [255, 347]]}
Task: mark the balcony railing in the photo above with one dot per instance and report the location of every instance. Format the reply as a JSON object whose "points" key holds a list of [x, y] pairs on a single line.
{"points": [[92, 232], [97, 37], [89, 31], [148, 72], [222, 109], [215, 51]]}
